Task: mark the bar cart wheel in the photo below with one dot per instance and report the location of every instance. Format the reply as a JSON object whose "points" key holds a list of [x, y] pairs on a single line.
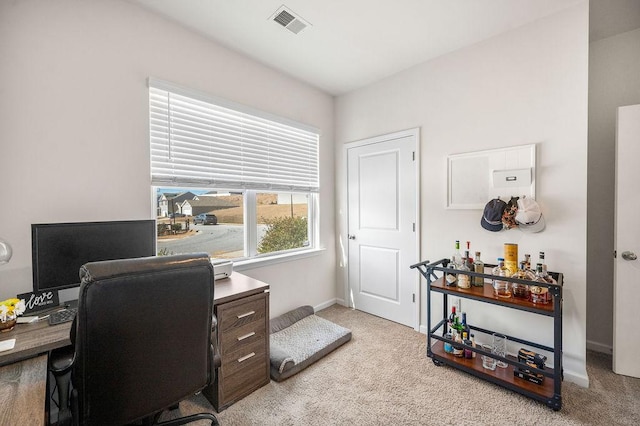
{"points": [[437, 363]]}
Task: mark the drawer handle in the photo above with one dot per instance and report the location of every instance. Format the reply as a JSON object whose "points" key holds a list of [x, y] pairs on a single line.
{"points": [[246, 336], [246, 315], [246, 357]]}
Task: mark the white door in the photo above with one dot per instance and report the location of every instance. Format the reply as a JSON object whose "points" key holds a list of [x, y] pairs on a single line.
{"points": [[382, 179], [626, 292]]}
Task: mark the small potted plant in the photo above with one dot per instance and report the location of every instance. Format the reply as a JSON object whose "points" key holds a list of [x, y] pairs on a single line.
{"points": [[10, 309]]}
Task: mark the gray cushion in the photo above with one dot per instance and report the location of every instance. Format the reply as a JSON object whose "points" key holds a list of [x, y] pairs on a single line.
{"points": [[298, 345]]}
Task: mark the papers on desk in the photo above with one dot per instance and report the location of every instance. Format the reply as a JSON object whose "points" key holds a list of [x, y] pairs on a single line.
{"points": [[26, 320], [7, 345]]}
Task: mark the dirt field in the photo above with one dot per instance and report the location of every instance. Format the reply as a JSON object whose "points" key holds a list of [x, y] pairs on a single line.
{"points": [[265, 211], [235, 214]]}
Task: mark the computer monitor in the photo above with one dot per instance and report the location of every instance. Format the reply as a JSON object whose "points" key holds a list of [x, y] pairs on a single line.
{"points": [[60, 249]]}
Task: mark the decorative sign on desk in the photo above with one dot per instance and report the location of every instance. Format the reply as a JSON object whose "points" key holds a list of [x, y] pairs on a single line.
{"points": [[36, 302]]}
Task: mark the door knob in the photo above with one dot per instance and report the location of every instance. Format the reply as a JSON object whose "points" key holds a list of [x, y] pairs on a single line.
{"points": [[351, 237], [629, 255]]}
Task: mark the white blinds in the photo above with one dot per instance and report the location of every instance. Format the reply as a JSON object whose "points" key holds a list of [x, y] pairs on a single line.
{"points": [[196, 142]]}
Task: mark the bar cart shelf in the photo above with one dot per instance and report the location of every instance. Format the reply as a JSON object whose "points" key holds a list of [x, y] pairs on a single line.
{"points": [[549, 391]]}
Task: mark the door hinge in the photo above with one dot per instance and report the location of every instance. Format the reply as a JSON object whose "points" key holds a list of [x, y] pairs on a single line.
{"points": [[615, 254], [413, 154], [414, 298], [414, 227]]}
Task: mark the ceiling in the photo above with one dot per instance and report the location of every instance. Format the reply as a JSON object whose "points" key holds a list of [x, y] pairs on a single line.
{"points": [[350, 44]]}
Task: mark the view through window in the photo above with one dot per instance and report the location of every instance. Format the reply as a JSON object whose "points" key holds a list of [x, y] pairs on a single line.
{"points": [[203, 220]]}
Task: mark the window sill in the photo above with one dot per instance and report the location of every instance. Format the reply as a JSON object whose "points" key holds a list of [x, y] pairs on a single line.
{"points": [[245, 264]]}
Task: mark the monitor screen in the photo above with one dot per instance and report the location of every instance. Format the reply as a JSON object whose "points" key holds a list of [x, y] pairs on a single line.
{"points": [[60, 249]]}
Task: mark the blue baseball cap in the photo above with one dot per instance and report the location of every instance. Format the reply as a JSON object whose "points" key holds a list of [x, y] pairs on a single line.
{"points": [[492, 215]]}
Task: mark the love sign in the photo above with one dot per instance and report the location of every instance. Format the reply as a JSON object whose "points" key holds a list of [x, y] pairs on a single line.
{"points": [[36, 302]]}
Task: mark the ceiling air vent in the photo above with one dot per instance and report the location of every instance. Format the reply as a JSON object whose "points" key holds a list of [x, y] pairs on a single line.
{"points": [[289, 20]]}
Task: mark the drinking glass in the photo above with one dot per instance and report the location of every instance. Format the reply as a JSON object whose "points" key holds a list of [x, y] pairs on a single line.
{"points": [[500, 348], [488, 362]]}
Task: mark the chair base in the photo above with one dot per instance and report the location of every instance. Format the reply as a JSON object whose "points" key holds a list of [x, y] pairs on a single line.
{"points": [[189, 419]]}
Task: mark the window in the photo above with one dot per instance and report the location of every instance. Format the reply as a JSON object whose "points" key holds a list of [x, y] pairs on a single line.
{"points": [[229, 181]]}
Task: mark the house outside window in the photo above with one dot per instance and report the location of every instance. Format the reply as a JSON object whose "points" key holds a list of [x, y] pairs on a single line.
{"points": [[229, 181]]}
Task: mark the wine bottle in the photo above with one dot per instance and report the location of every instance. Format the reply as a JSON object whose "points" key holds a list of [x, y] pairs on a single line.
{"points": [[452, 317], [465, 327]]}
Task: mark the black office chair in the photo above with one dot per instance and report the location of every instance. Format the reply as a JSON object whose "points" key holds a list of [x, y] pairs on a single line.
{"points": [[144, 339]]}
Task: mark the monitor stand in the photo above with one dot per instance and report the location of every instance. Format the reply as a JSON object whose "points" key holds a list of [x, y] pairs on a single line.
{"points": [[70, 304]]}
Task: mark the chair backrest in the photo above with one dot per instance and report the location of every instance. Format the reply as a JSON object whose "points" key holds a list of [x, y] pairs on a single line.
{"points": [[143, 336]]}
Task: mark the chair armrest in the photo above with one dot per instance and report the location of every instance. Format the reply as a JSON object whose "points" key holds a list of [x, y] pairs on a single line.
{"points": [[61, 360]]}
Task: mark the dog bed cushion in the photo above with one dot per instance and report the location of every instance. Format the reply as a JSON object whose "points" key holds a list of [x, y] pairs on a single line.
{"points": [[299, 338]]}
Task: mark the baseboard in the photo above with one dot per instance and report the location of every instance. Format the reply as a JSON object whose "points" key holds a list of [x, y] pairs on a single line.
{"points": [[581, 380], [599, 347], [325, 305]]}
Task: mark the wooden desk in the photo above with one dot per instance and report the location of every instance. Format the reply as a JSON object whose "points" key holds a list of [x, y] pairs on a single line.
{"points": [[23, 391], [23, 371], [34, 339]]}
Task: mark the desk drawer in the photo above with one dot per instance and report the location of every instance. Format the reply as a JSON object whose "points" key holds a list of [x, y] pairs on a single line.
{"points": [[241, 312], [251, 377], [239, 337], [243, 357]]}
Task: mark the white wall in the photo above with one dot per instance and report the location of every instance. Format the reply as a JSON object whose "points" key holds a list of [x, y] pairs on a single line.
{"points": [[525, 86], [614, 80], [74, 142]]}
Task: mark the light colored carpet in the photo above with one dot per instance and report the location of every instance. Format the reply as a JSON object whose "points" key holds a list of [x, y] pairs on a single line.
{"points": [[383, 377]]}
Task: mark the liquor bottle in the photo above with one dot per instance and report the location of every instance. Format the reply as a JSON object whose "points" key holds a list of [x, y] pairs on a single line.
{"points": [[545, 272], [464, 280], [470, 259], [468, 353], [456, 257], [458, 347], [451, 279], [540, 294], [541, 261], [522, 290], [501, 288], [465, 327], [473, 343], [527, 261], [548, 278], [478, 266]]}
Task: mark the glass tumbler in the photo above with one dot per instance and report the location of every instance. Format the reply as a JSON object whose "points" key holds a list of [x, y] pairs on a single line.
{"points": [[488, 362], [500, 348]]}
